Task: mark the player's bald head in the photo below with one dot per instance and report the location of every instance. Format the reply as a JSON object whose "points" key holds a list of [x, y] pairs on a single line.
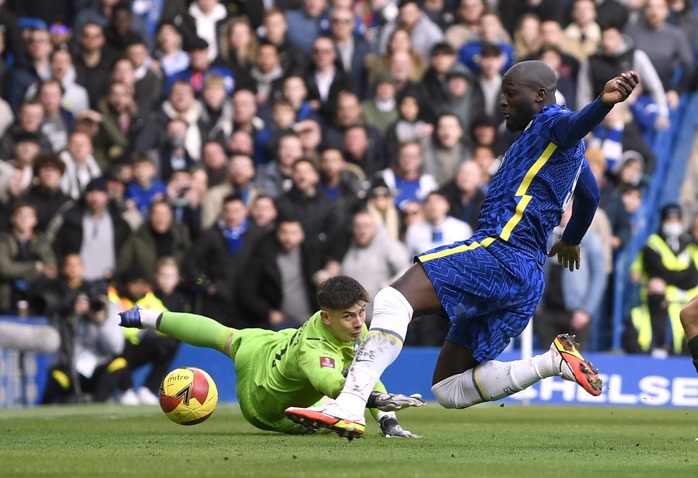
{"points": [[534, 74]]}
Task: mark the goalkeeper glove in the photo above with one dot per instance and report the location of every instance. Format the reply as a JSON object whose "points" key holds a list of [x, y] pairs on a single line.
{"points": [[389, 402], [131, 317], [390, 428]]}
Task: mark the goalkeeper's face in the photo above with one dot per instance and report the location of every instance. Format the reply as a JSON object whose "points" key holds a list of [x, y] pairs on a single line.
{"points": [[345, 324]]}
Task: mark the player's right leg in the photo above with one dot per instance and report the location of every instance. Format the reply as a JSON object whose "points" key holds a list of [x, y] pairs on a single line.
{"points": [[189, 328], [494, 380], [689, 321]]}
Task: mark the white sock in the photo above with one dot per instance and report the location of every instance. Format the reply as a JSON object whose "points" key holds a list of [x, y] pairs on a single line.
{"points": [[493, 380], [149, 318], [391, 316]]}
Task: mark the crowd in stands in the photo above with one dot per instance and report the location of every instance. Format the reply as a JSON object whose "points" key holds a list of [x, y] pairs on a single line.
{"points": [[226, 156]]}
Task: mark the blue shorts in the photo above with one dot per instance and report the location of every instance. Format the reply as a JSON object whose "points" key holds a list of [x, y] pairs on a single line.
{"points": [[489, 292]]}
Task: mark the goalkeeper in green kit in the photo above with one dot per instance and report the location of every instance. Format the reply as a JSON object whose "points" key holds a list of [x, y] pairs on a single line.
{"points": [[292, 367]]}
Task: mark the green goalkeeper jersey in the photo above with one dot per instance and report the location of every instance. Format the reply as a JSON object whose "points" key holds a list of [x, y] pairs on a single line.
{"points": [[275, 370]]}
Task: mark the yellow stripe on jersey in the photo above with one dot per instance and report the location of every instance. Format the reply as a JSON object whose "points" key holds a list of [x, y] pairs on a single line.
{"points": [[523, 188], [455, 250]]}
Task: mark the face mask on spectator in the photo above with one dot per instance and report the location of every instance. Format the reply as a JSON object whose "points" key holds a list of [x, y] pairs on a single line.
{"points": [[175, 141], [672, 229]]}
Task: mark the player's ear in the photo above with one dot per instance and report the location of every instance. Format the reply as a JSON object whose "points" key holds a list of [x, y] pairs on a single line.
{"points": [[541, 95], [325, 318]]}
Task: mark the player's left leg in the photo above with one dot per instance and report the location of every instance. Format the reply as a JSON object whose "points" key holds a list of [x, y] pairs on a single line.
{"points": [[689, 321], [189, 328]]}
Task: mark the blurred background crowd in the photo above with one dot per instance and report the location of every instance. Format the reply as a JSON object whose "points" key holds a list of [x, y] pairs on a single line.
{"points": [[226, 156]]}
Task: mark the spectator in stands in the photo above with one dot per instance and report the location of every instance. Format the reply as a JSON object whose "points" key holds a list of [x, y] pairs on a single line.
{"points": [[310, 133], [134, 287], [552, 35], [148, 85], [511, 10], [405, 179], [181, 103], [381, 206], [351, 48], [373, 257], [306, 202], [409, 61], [571, 299], [278, 285], [527, 36], [435, 81], [274, 178], [669, 278], [340, 184], [486, 86], [238, 49], [325, 79], [25, 256], [293, 59], [93, 62], [410, 126], [437, 228], [380, 110], [263, 212], [157, 237], [169, 53], [215, 163], [146, 187], [346, 115], [491, 33], [80, 164], [459, 95], [616, 52], [489, 164], [464, 193], [185, 197], [121, 123], [75, 99], [483, 131], [294, 90], [667, 47], [305, 24], [118, 33], [362, 151], [566, 92], [468, 26], [26, 149], [173, 156], [101, 12], [200, 67], [582, 36], [682, 13], [266, 71], [58, 121], [612, 11], [206, 19], [218, 263], [46, 194], [423, 32], [167, 286], [81, 313], [38, 68], [240, 181], [445, 149], [94, 230]]}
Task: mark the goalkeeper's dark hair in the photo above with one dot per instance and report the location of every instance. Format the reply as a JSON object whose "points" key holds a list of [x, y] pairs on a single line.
{"points": [[341, 292]]}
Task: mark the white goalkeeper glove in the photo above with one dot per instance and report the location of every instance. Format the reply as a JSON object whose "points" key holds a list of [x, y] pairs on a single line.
{"points": [[390, 402], [390, 428]]}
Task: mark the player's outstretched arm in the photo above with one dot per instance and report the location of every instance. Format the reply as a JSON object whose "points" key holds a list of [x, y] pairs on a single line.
{"points": [[619, 88], [393, 401]]}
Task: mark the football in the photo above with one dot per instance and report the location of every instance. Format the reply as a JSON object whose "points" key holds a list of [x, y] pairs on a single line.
{"points": [[188, 395]]}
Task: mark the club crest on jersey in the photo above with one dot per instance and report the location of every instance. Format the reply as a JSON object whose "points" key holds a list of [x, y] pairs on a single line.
{"points": [[327, 362]]}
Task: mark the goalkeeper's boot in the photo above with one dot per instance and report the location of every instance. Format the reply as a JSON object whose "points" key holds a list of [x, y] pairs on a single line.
{"points": [[329, 416], [573, 366], [131, 317]]}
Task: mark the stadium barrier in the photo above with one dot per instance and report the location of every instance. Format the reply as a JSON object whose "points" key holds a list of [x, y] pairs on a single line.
{"points": [[630, 380]]}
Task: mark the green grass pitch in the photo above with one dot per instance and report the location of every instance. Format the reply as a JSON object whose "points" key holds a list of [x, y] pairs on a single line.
{"points": [[485, 441]]}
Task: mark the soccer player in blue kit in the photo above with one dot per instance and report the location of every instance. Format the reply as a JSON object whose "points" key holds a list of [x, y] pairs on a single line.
{"points": [[490, 284]]}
